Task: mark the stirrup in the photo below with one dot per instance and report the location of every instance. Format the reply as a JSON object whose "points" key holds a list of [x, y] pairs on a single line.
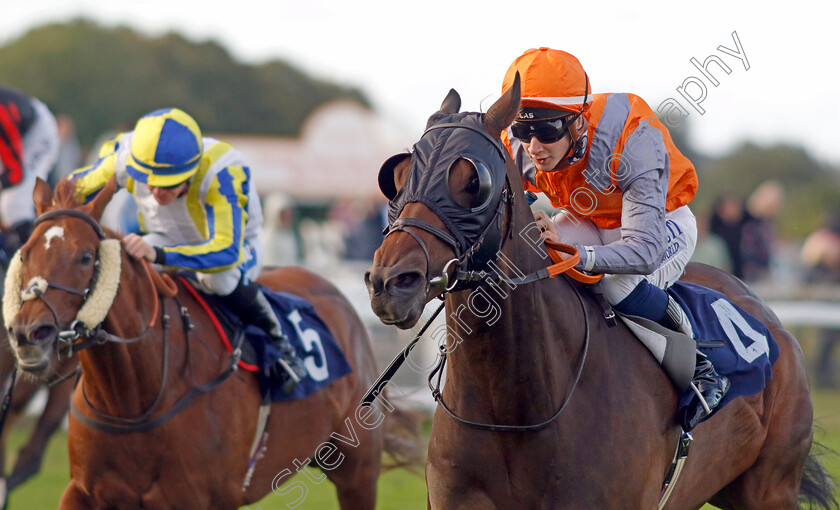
{"points": [[289, 370], [702, 400]]}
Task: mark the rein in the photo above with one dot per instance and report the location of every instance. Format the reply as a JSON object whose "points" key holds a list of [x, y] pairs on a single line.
{"points": [[468, 278], [144, 422], [68, 341], [476, 279], [438, 396]]}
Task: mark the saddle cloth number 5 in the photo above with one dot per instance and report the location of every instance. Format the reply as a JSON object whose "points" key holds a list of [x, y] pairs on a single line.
{"points": [[729, 319], [311, 342]]}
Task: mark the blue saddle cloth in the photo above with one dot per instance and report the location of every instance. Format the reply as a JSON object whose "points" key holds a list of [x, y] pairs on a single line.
{"points": [[322, 357], [749, 350]]}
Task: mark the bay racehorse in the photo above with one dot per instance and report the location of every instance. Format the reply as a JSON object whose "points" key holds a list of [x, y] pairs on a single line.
{"points": [[159, 423], [58, 386], [545, 405]]}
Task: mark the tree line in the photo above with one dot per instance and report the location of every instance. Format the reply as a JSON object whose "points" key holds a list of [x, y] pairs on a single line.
{"points": [[105, 78]]}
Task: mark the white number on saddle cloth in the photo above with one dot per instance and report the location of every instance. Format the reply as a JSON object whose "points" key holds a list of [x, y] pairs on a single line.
{"points": [[729, 319], [310, 338]]}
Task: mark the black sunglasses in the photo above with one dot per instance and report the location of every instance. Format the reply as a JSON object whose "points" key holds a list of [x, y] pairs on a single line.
{"points": [[546, 131]]}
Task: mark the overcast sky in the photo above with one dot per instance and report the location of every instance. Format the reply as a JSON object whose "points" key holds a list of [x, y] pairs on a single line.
{"points": [[405, 56]]}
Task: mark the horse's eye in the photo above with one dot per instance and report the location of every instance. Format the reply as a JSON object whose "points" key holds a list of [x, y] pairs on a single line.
{"points": [[473, 186], [86, 258]]}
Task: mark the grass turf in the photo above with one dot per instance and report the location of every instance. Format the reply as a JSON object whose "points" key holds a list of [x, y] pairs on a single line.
{"points": [[398, 489]]}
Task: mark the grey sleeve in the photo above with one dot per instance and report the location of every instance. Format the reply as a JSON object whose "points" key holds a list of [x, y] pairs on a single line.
{"points": [[643, 180]]}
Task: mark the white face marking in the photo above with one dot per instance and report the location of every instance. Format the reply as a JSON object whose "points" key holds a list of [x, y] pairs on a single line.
{"points": [[53, 232]]}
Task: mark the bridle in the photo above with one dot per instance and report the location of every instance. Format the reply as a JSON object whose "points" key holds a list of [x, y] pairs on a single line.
{"points": [[479, 253], [82, 335], [466, 275]]}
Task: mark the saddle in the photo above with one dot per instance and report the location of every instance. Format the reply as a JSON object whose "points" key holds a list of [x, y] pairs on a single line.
{"points": [[738, 345], [309, 335]]}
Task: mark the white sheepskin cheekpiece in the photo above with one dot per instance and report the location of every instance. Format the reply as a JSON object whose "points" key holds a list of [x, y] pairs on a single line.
{"points": [[12, 285], [96, 307]]}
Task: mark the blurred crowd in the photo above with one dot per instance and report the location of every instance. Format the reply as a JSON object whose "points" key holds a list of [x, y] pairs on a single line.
{"points": [[740, 234]]}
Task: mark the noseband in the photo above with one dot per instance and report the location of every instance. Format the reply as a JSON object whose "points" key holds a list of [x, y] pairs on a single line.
{"points": [[98, 297]]}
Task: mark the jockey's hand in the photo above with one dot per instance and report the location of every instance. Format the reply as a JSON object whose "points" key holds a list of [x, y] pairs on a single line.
{"points": [[138, 248], [548, 229]]}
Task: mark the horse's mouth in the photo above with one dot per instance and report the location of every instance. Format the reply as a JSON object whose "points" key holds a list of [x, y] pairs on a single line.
{"points": [[34, 364], [406, 321]]}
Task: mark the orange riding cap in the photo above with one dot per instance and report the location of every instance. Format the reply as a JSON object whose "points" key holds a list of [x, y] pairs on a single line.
{"points": [[550, 79]]}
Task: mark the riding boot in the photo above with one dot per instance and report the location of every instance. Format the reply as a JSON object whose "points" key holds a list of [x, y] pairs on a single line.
{"points": [[709, 388], [675, 318], [251, 305], [707, 384]]}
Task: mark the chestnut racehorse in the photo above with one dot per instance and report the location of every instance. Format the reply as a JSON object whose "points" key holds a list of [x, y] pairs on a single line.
{"points": [[180, 433], [59, 386], [546, 406]]}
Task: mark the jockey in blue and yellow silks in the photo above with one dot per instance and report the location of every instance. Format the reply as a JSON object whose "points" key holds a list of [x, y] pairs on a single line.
{"points": [[198, 211]]}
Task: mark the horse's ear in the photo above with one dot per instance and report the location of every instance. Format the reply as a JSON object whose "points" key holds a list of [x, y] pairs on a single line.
{"points": [[97, 205], [503, 111], [42, 196], [451, 103]]}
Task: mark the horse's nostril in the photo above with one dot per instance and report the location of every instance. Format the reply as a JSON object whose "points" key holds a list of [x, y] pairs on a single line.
{"points": [[373, 281], [404, 282], [42, 333]]}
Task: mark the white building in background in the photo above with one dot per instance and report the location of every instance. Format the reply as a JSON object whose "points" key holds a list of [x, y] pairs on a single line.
{"points": [[338, 155]]}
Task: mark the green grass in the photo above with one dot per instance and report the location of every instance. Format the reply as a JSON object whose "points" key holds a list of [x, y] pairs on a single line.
{"points": [[398, 489]]}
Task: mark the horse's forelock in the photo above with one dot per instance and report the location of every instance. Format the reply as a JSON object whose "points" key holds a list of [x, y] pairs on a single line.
{"points": [[65, 195], [434, 119]]}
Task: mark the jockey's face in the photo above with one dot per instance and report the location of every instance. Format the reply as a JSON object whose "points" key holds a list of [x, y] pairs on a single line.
{"points": [[550, 157], [165, 196]]}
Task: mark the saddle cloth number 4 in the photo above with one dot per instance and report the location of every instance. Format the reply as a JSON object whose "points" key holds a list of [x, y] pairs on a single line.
{"points": [[729, 319], [311, 342]]}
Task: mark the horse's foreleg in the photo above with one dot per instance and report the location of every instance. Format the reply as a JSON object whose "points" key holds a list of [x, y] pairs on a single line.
{"points": [[75, 499], [30, 457], [7, 363], [356, 478]]}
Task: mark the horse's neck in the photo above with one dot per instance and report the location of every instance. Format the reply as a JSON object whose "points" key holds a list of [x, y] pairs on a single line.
{"points": [[515, 340], [123, 379]]}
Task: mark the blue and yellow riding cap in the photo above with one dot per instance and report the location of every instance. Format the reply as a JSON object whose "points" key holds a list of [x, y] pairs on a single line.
{"points": [[165, 148]]}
